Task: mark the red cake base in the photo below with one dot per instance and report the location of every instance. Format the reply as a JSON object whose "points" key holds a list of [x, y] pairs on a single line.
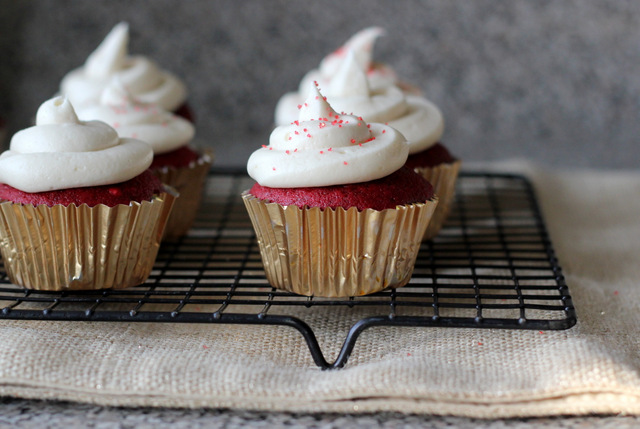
{"points": [[140, 188], [435, 155], [185, 111], [400, 188], [178, 158]]}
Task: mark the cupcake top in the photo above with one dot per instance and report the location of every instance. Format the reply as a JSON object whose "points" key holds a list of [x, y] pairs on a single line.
{"points": [[140, 75], [164, 131], [361, 44], [62, 152], [324, 148], [416, 117]]}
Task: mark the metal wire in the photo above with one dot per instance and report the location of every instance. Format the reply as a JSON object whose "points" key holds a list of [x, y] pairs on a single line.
{"points": [[492, 266]]}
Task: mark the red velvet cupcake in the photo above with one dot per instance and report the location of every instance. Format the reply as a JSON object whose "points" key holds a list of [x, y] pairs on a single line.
{"points": [[419, 120], [142, 77], [79, 208], [334, 211], [174, 162]]}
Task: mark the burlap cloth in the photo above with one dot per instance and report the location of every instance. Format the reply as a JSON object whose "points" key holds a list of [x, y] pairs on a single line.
{"points": [[594, 367]]}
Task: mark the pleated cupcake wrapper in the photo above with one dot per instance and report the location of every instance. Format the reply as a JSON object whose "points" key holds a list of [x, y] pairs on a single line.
{"points": [[81, 247], [338, 253], [189, 182], [443, 178]]}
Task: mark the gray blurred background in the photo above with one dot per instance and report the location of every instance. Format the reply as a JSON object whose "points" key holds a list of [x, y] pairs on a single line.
{"points": [[557, 82]]}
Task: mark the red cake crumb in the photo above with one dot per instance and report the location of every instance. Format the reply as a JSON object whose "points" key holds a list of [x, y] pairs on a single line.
{"points": [[185, 111], [140, 188], [178, 158], [400, 188], [435, 155]]}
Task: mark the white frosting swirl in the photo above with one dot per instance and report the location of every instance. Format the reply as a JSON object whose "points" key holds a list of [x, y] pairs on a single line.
{"points": [[323, 148], [419, 120], [139, 75], [380, 75], [164, 131], [62, 152]]}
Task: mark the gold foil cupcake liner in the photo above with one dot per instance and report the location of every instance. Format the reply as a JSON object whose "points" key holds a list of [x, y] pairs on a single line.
{"points": [[189, 182], [81, 247], [338, 253], [443, 178]]}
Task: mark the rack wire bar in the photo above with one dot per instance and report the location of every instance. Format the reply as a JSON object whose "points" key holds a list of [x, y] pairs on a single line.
{"points": [[492, 266]]}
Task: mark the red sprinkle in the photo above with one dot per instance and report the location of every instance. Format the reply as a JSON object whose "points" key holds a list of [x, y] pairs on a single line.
{"points": [[287, 152], [322, 125], [321, 152], [479, 343], [329, 149], [299, 106], [115, 192], [353, 141], [384, 131], [274, 169], [309, 135], [345, 163]]}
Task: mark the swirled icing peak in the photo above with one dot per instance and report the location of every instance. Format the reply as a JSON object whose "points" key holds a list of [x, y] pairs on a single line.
{"points": [[361, 44], [111, 54], [325, 148], [141, 76], [62, 152], [419, 120], [163, 130], [379, 76]]}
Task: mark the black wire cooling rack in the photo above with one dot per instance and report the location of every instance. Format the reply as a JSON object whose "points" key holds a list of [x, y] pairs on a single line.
{"points": [[492, 266]]}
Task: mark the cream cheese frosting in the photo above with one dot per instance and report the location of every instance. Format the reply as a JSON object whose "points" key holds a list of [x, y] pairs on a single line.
{"points": [[141, 76], [380, 75], [163, 130], [62, 152], [324, 148], [418, 119]]}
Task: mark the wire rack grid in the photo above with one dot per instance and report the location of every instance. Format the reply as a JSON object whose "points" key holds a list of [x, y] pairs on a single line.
{"points": [[492, 266]]}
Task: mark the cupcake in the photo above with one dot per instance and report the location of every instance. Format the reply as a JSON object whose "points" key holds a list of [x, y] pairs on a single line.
{"points": [[141, 76], [175, 162], [418, 119], [334, 211], [380, 75], [79, 208]]}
